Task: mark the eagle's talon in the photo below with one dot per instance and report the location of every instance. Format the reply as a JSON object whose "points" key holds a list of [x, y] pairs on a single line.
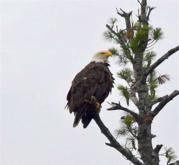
{"points": [[98, 107], [93, 101], [96, 104]]}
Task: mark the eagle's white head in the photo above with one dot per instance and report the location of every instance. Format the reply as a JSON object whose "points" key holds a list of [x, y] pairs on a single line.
{"points": [[101, 56]]}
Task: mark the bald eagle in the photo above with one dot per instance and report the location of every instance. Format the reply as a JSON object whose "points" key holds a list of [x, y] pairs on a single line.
{"points": [[89, 89]]}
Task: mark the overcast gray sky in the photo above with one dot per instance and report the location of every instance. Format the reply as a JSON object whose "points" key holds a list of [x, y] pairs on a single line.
{"points": [[44, 43]]}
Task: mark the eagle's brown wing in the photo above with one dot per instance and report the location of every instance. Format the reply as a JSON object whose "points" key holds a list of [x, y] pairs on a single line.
{"points": [[94, 80]]}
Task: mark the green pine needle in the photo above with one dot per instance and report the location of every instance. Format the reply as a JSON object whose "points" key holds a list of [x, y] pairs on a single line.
{"points": [[126, 74], [121, 132], [112, 21], [153, 84], [141, 35], [157, 33], [170, 154], [128, 120], [108, 35], [124, 91], [149, 56]]}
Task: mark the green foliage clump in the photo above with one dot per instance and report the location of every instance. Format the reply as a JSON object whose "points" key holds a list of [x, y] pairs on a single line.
{"points": [[153, 84], [128, 120], [157, 34], [169, 154], [125, 92], [129, 130], [148, 58], [126, 74], [141, 37], [108, 36]]}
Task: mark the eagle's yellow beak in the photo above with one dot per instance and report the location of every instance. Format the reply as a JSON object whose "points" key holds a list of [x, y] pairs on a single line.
{"points": [[108, 54]]}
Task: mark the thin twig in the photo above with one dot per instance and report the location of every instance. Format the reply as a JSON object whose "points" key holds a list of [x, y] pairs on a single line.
{"points": [[139, 2]]}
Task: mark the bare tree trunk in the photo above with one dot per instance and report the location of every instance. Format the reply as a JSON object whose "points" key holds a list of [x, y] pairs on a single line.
{"points": [[145, 147]]}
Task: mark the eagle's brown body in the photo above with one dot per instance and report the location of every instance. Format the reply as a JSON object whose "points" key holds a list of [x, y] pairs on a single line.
{"points": [[95, 80]]}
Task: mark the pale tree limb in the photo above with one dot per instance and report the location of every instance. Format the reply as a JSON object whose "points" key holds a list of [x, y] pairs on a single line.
{"points": [[166, 100], [162, 59], [114, 143]]}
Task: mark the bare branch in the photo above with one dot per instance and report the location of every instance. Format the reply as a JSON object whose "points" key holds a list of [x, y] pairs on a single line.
{"points": [[113, 142], [149, 11], [158, 148], [166, 100], [162, 59], [126, 16], [111, 145], [157, 100], [120, 107], [139, 2]]}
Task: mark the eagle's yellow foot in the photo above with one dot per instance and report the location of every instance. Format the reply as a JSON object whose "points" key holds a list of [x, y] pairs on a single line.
{"points": [[96, 104], [93, 101], [98, 107]]}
